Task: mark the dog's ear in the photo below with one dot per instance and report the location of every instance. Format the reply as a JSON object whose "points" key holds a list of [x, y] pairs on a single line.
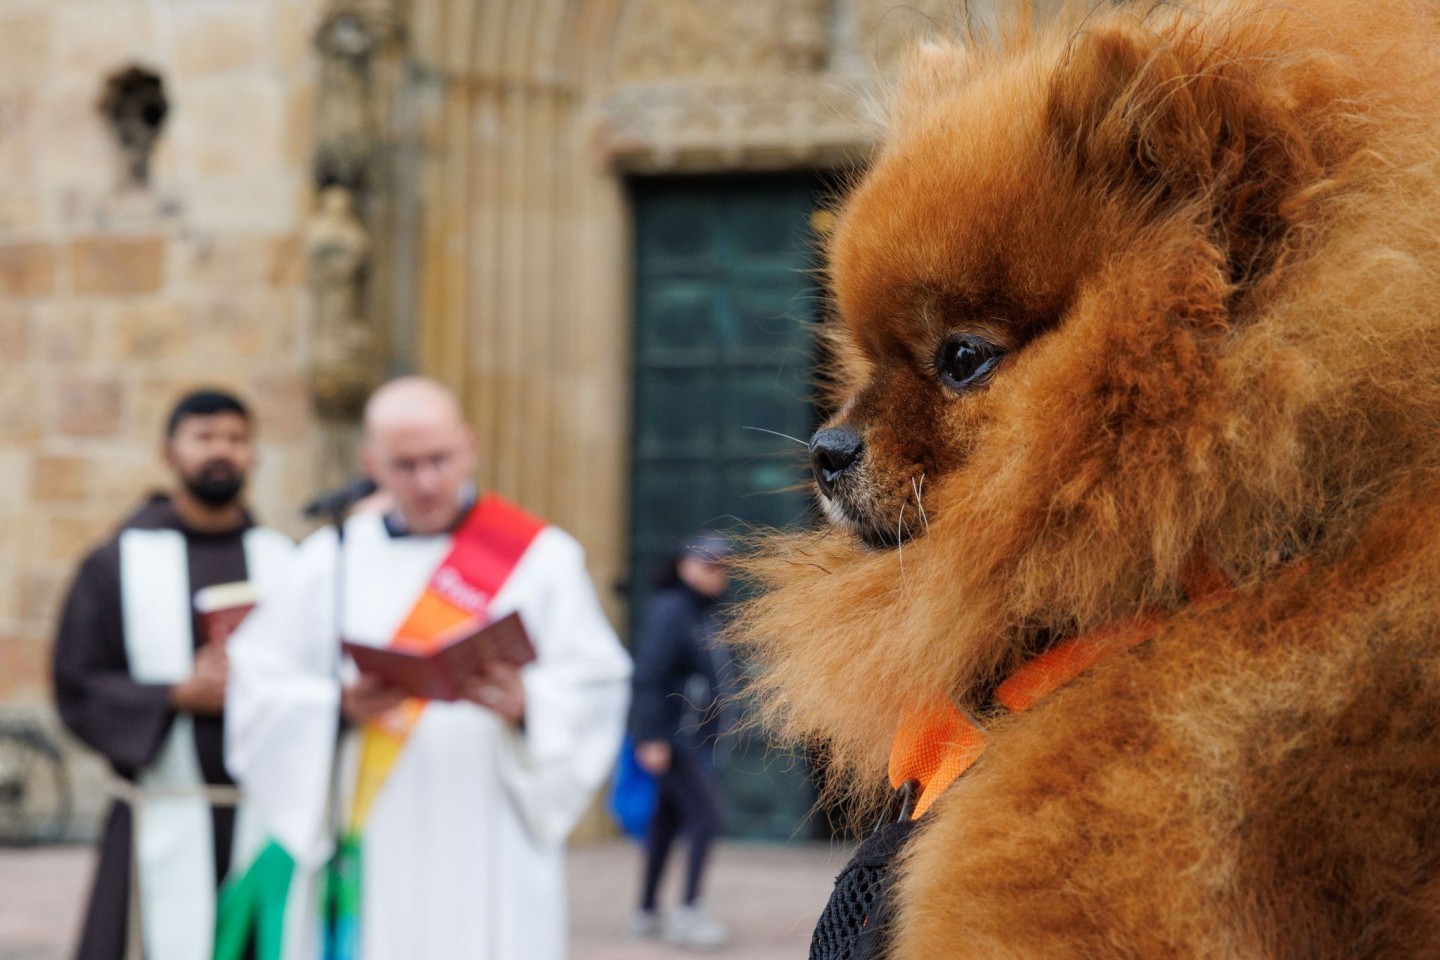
{"points": [[1126, 107], [1165, 121]]}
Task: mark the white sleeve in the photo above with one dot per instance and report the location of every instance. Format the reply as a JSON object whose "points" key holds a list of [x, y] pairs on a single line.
{"points": [[282, 705], [576, 696]]}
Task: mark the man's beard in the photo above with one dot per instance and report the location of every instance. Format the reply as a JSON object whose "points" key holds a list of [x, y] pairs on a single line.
{"points": [[217, 484]]}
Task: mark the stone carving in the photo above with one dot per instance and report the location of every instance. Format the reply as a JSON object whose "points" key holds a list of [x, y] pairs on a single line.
{"points": [[719, 84], [346, 363], [675, 39], [763, 124], [348, 41], [349, 347], [134, 104]]}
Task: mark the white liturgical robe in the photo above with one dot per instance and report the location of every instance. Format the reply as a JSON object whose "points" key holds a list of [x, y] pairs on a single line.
{"points": [[463, 850]]}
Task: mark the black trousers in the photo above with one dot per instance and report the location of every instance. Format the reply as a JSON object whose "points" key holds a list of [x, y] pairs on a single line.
{"points": [[689, 803]]}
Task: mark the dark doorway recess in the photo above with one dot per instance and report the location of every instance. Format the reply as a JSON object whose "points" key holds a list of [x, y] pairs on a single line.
{"points": [[726, 298]]}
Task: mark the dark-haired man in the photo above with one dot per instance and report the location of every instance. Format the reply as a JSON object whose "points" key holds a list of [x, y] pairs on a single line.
{"points": [[140, 677]]}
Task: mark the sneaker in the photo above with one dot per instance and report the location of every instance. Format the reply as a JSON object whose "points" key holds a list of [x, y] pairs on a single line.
{"points": [[691, 926], [644, 925]]}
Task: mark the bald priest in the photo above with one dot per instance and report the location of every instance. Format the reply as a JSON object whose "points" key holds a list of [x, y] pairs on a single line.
{"points": [[451, 816]]}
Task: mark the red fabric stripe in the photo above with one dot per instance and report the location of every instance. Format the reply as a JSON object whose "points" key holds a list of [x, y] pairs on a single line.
{"points": [[485, 550], [488, 545]]}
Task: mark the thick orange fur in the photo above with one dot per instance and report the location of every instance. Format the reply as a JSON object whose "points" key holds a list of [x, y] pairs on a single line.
{"points": [[1206, 239]]}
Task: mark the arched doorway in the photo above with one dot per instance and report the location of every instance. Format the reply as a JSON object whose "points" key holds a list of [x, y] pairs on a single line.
{"points": [[538, 144]]}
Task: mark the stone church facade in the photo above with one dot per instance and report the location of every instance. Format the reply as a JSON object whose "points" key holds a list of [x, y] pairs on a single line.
{"points": [[342, 190], [116, 294]]}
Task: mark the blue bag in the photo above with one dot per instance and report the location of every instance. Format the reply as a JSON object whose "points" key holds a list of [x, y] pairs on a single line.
{"points": [[632, 793]]}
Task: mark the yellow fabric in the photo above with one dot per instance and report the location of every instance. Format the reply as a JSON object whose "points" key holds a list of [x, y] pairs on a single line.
{"points": [[380, 746], [491, 541], [383, 739]]}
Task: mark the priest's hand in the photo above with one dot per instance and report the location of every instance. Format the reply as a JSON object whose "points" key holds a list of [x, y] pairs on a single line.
{"points": [[498, 687], [368, 698], [204, 691]]}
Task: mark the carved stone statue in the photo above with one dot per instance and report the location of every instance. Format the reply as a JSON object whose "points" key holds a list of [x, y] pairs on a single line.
{"points": [[344, 127], [721, 39], [347, 348]]}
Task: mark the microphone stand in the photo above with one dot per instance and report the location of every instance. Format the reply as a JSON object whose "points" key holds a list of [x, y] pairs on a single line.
{"points": [[334, 946]]}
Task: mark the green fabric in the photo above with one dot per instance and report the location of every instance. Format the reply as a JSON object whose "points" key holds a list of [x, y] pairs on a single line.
{"points": [[342, 900], [252, 907]]}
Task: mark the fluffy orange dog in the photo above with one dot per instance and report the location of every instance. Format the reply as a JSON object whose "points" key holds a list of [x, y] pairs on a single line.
{"points": [[1159, 289]]}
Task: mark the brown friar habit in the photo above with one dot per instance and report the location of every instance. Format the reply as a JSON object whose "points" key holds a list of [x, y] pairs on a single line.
{"points": [[128, 721]]}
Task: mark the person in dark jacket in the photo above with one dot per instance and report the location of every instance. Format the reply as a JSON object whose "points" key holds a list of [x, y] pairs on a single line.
{"points": [[674, 721]]}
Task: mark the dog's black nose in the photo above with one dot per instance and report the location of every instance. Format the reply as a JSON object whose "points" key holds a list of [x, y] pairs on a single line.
{"points": [[832, 451]]}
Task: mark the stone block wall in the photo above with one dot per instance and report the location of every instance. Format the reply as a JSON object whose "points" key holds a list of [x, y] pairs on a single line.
{"points": [[114, 299]]}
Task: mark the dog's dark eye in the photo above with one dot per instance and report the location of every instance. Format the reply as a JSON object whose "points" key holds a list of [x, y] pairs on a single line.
{"points": [[966, 362]]}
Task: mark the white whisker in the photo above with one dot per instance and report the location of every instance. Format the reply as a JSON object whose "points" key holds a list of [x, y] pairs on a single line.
{"points": [[777, 433], [900, 542], [919, 504]]}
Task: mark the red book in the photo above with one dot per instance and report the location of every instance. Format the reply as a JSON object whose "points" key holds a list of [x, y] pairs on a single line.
{"points": [[221, 608], [460, 654]]}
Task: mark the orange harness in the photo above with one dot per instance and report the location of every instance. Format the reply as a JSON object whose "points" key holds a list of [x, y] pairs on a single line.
{"points": [[938, 742]]}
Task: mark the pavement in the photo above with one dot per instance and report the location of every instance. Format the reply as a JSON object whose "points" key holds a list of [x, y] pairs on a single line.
{"points": [[770, 896], [41, 896]]}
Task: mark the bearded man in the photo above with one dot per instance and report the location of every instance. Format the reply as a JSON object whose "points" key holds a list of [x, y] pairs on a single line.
{"points": [[140, 677]]}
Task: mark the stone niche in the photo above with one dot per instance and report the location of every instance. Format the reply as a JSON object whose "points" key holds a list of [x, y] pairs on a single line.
{"points": [[134, 106], [347, 270]]}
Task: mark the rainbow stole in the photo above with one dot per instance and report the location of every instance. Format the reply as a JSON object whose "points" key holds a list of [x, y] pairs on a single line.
{"points": [[487, 547]]}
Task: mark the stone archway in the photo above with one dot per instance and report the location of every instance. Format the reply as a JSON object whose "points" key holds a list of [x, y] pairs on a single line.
{"points": [[518, 260], [526, 116]]}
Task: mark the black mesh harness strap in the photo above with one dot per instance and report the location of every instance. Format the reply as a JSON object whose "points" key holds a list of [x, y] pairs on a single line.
{"points": [[855, 923]]}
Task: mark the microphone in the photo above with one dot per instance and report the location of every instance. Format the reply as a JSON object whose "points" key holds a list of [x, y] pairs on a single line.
{"points": [[333, 503]]}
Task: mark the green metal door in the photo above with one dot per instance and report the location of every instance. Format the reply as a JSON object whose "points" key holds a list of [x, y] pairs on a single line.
{"points": [[725, 296]]}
